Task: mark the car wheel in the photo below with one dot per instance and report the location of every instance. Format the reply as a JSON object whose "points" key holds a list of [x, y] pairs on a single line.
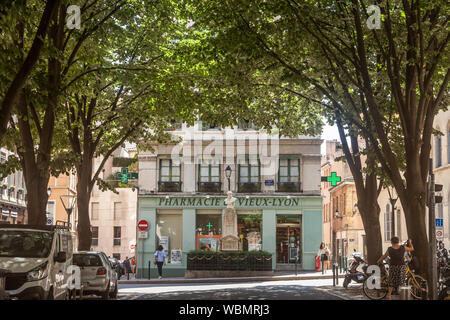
{"points": [[114, 293], [105, 295]]}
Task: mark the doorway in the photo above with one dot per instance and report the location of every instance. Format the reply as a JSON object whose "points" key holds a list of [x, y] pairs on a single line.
{"points": [[289, 239]]}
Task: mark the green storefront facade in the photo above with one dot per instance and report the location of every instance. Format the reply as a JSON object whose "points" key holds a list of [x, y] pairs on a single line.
{"points": [[275, 212]]}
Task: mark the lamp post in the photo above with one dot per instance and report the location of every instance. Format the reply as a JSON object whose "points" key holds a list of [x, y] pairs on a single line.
{"points": [[49, 191], [228, 175], [71, 202], [392, 201]]}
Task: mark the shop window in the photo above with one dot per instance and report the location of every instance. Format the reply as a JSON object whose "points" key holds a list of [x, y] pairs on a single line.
{"points": [[116, 256], [249, 231], [169, 234], [209, 224]]}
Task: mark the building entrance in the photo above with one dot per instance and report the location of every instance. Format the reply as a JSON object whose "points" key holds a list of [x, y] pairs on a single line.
{"points": [[289, 239]]}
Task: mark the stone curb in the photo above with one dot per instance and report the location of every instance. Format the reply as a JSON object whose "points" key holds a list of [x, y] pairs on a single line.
{"points": [[216, 280]]}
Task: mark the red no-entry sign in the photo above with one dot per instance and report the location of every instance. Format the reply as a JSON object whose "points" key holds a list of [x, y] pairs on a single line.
{"points": [[143, 225]]}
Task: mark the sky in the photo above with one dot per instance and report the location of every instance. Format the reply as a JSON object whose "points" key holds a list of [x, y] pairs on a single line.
{"points": [[328, 133]]}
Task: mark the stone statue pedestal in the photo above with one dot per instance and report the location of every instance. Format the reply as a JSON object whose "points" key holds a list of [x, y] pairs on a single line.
{"points": [[230, 240]]}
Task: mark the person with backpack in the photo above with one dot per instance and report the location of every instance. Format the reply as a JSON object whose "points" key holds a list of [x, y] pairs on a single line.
{"points": [[160, 259]]}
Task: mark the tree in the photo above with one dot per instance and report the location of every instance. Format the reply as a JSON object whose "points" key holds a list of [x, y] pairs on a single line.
{"points": [[384, 83], [14, 19], [34, 127], [126, 93]]}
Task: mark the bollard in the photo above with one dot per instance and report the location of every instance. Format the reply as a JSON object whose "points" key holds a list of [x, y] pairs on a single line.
{"points": [[149, 264], [337, 274], [332, 269], [404, 292]]}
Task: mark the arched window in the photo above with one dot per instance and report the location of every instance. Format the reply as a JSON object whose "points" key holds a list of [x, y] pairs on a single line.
{"points": [[438, 148], [387, 223], [448, 142]]}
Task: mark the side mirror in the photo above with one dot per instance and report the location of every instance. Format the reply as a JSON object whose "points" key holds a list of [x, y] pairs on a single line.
{"points": [[61, 257]]}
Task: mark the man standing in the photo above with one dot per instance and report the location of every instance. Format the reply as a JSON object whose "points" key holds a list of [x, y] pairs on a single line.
{"points": [[127, 267]]}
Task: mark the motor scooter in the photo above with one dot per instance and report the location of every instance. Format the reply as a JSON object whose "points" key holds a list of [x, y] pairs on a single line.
{"points": [[357, 271]]}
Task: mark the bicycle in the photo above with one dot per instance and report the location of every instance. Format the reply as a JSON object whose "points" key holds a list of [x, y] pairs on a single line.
{"points": [[418, 285]]}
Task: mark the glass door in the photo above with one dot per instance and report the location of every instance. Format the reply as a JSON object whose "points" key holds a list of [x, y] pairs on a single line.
{"points": [[288, 239]]}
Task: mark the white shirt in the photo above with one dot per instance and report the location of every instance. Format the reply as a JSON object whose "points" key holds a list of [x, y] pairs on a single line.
{"points": [[323, 251]]}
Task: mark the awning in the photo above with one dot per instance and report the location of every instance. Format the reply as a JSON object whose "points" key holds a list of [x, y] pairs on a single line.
{"points": [[14, 214], [5, 212]]}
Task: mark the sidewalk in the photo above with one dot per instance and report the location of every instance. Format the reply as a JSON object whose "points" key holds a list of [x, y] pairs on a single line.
{"points": [[278, 276]]}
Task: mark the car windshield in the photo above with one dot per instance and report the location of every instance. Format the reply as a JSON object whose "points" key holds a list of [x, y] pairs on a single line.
{"points": [[25, 244], [87, 260]]}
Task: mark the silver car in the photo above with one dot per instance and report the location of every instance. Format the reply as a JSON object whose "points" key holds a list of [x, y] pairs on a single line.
{"points": [[97, 274]]}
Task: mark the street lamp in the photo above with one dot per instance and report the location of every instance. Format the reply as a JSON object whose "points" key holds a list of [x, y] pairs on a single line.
{"points": [[393, 201], [228, 175], [71, 202], [49, 191]]}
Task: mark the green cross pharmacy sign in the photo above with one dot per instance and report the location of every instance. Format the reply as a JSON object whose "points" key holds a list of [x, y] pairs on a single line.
{"points": [[124, 175], [334, 179]]}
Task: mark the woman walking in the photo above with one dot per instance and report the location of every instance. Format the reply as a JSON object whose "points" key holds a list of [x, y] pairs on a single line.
{"points": [[323, 253], [397, 266], [160, 259]]}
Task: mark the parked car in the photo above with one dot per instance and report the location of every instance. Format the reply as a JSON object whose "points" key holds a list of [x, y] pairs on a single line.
{"points": [[37, 260], [97, 274]]}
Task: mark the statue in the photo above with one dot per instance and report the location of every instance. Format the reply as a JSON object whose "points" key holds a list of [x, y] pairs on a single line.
{"points": [[230, 241], [230, 200]]}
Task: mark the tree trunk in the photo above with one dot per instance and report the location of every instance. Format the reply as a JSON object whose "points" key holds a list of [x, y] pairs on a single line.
{"points": [[84, 171], [370, 214], [37, 199], [415, 222]]}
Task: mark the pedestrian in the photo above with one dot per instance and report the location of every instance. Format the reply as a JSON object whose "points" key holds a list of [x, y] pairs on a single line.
{"points": [[324, 254], [397, 266], [160, 259], [133, 266], [442, 252], [127, 267]]}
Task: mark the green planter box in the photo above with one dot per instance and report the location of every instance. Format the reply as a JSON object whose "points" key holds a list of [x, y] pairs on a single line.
{"points": [[229, 261]]}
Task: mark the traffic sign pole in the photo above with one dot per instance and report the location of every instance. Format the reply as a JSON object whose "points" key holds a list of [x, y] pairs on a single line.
{"points": [[432, 233]]}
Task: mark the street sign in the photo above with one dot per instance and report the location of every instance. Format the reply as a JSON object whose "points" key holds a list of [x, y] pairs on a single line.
{"points": [[142, 234], [439, 234], [439, 222], [143, 225], [269, 182]]}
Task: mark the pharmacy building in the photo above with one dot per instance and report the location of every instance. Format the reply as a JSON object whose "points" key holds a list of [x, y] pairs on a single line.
{"points": [[182, 188]]}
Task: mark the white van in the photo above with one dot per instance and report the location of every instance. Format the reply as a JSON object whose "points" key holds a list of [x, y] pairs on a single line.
{"points": [[37, 259]]}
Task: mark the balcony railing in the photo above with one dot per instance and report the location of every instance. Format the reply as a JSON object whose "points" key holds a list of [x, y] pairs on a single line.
{"points": [[249, 187], [169, 186], [289, 187], [209, 187]]}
